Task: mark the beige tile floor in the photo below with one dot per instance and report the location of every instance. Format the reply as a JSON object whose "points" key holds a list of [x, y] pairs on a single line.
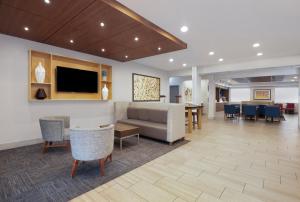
{"points": [[225, 161]]}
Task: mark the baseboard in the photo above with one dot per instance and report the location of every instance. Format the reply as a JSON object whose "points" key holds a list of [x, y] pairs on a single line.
{"points": [[20, 144]]}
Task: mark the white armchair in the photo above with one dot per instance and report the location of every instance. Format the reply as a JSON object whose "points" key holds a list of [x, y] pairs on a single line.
{"points": [[55, 131], [92, 144]]}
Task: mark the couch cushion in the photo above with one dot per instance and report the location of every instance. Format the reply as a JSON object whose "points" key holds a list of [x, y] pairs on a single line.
{"points": [[158, 116], [143, 114], [132, 113], [149, 129]]}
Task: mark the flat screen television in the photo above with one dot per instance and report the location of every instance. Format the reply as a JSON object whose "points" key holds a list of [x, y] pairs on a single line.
{"points": [[76, 80]]}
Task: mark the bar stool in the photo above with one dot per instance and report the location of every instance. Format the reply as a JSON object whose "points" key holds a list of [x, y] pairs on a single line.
{"points": [[195, 120], [194, 115]]}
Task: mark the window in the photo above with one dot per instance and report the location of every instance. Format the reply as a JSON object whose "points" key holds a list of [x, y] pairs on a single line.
{"points": [[285, 95], [239, 94]]}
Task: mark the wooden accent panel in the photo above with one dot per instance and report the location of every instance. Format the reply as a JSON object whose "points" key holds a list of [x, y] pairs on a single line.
{"points": [[50, 62], [58, 22], [108, 82], [34, 59], [76, 64]]}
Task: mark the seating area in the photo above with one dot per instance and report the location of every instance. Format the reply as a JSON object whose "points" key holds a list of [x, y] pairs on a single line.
{"points": [[122, 100], [254, 112]]}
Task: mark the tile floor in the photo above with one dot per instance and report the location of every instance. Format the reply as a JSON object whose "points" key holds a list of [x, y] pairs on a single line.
{"points": [[225, 161]]}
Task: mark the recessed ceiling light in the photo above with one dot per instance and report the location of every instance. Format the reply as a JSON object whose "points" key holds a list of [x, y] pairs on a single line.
{"points": [[47, 1], [103, 50], [71, 41], [184, 29], [171, 60], [102, 24], [229, 81], [126, 56], [292, 80], [295, 77], [221, 60], [259, 54], [256, 45], [211, 53], [184, 65], [136, 38], [26, 28], [159, 48]]}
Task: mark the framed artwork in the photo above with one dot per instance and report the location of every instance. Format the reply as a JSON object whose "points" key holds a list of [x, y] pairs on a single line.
{"points": [[262, 94], [188, 94], [145, 88]]}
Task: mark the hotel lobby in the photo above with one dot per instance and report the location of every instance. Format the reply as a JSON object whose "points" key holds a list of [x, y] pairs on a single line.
{"points": [[123, 100]]}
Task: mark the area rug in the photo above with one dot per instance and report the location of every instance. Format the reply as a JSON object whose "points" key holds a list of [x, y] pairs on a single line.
{"points": [[28, 175]]}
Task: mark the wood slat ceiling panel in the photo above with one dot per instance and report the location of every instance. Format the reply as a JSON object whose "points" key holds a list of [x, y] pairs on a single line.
{"points": [[13, 21], [85, 29], [46, 18], [62, 20], [57, 11]]}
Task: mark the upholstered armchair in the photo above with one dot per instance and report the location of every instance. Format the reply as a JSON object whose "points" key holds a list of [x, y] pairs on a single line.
{"points": [[290, 108], [250, 111], [55, 131], [273, 112], [231, 111], [92, 144]]}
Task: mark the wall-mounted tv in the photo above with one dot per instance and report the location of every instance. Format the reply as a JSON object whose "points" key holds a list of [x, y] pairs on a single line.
{"points": [[76, 80]]}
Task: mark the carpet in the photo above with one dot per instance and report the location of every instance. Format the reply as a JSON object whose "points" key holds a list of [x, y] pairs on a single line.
{"points": [[28, 175]]}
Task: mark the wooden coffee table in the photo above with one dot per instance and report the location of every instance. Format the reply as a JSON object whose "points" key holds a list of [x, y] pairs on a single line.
{"points": [[124, 131]]}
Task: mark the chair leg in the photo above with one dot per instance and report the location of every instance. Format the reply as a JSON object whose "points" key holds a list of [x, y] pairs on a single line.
{"points": [[67, 145], [45, 147], [101, 165], [74, 168], [109, 157]]}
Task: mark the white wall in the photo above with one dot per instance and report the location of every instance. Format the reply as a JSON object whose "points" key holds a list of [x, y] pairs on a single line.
{"points": [[286, 95], [239, 94], [278, 94], [19, 118]]}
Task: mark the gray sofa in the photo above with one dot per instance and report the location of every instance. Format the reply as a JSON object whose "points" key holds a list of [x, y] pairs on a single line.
{"points": [[155, 120]]}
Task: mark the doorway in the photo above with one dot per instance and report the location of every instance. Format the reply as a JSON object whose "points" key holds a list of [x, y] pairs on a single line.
{"points": [[174, 91]]}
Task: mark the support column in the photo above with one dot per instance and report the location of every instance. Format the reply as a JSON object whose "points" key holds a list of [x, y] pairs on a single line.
{"points": [[211, 98], [196, 81], [299, 98]]}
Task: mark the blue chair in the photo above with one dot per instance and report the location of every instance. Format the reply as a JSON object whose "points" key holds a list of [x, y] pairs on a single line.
{"points": [[272, 112], [261, 111], [230, 111], [237, 109], [250, 111]]}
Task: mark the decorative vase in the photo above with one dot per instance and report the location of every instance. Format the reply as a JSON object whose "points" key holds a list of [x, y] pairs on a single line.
{"points": [[40, 94], [104, 75], [105, 92], [40, 73]]}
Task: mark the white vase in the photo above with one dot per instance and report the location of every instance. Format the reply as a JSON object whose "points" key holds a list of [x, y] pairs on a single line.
{"points": [[105, 92], [40, 73]]}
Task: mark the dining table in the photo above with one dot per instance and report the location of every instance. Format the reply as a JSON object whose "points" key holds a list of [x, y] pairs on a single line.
{"points": [[189, 108]]}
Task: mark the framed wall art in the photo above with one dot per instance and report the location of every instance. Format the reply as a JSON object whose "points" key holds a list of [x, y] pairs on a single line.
{"points": [[262, 94], [145, 88]]}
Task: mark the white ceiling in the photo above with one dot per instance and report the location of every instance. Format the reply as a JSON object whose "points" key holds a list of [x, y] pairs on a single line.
{"points": [[227, 27]]}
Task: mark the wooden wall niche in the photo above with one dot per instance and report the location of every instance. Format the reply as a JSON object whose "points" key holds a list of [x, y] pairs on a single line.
{"points": [[50, 62], [108, 80]]}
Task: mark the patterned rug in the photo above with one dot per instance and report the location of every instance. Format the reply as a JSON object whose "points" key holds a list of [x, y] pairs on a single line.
{"points": [[28, 175]]}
